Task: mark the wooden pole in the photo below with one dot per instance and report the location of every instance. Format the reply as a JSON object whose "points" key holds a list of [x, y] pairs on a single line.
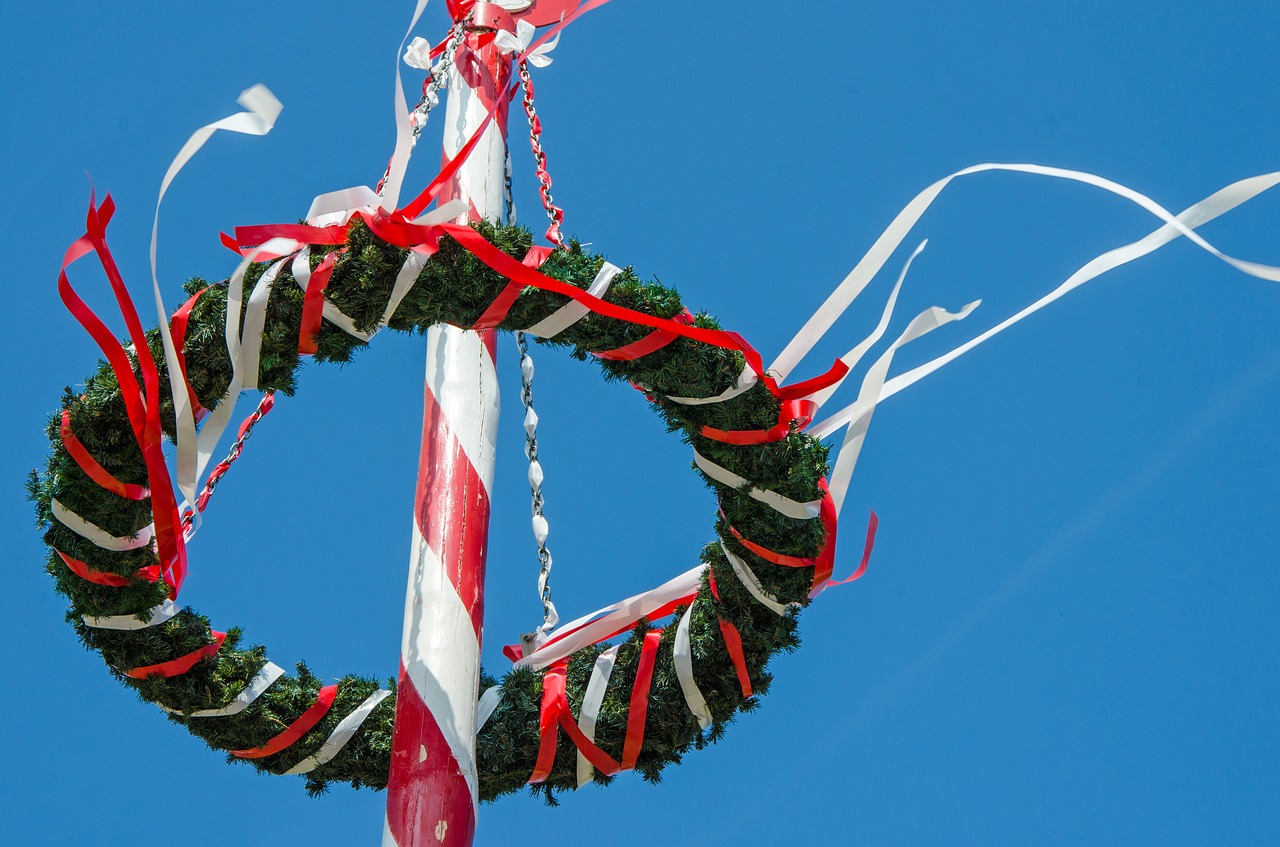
{"points": [[432, 794]]}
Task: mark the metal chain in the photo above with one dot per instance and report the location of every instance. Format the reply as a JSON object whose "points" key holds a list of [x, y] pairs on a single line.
{"points": [[508, 196], [215, 476], [540, 527], [431, 86], [554, 212]]}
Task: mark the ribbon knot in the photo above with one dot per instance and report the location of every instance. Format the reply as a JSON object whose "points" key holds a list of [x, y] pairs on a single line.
{"points": [[519, 42]]}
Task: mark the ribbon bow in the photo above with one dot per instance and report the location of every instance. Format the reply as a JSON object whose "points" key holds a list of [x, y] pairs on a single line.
{"points": [[418, 54], [520, 41]]}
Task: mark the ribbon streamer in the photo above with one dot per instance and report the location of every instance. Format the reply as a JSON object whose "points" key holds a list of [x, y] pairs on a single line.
{"points": [[682, 655], [130, 623], [261, 681], [870, 264], [611, 620], [752, 583], [92, 469], [782, 505], [98, 536], [111, 580], [262, 110], [591, 702], [342, 733], [924, 323], [182, 664], [301, 725], [486, 705], [572, 312]]}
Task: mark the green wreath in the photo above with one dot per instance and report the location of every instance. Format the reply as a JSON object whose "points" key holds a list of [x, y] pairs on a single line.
{"points": [[456, 288]]}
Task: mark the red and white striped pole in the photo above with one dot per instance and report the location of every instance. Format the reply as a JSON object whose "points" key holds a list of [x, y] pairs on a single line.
{"points": [[432, 793]]}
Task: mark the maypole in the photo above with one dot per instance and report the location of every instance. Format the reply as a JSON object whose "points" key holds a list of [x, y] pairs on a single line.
{"points": [[432, 794]]}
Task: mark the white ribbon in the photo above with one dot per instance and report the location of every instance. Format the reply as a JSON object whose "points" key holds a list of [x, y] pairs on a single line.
{"points": [[509, 43], [682, 654], [98, 536], [342, 733], [404, 129], [891, 238], [486, 706], [241, 361], [595, 627], [1193, 217], [130, 623], [751, 582], [263, 110], [855, 355], [591, 702], [573, 311], [783, 505], [418, 54], [269, 673], [744, 383]]}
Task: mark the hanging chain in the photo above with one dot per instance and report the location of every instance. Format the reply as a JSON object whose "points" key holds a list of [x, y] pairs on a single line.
{"points": [[437, 79], [215, 476], [554, 212], [508, 196], [540, 527]]}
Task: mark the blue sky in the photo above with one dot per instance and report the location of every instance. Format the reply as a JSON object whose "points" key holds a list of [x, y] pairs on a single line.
{"points": [[1068, 633]]}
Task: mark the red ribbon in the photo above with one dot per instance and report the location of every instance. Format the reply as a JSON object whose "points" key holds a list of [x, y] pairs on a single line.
{"points": [[554, 714], [501, 305], [872, 525], [113, 580], [178, 329], [96, 472], [300, 727], [144, 417], [797, 412], [639, 708], [651, 343], [182, 664], [733, 644], [313, 302]]}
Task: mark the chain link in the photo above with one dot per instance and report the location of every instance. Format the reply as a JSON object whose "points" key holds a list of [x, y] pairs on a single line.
{"points": [[437, 79], [508, 196], [554, 213], [540, 527], [215, 476]]}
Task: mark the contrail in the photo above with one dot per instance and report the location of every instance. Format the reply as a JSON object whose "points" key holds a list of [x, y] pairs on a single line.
{"points": [[1090, 520]]}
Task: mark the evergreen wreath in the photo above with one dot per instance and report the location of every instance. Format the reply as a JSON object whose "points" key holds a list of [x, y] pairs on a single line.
{"points": [[454, 287]]}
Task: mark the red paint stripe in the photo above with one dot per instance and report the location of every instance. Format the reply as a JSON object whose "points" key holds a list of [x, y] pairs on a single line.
{"points": [[182, 664], [112, 580], [96, 472], [452, 509], [300, 727], [639, 708], [421, 791]]}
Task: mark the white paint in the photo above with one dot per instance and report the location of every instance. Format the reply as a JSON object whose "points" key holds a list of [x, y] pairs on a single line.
{"points": [[441, 656]]}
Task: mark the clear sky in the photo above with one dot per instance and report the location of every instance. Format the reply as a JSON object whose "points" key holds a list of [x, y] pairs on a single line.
{"points": [[1068, 633]]}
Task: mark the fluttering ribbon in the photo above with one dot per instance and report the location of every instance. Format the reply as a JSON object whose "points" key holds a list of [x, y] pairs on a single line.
{"points": [[142, 403], [261, 111]]}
